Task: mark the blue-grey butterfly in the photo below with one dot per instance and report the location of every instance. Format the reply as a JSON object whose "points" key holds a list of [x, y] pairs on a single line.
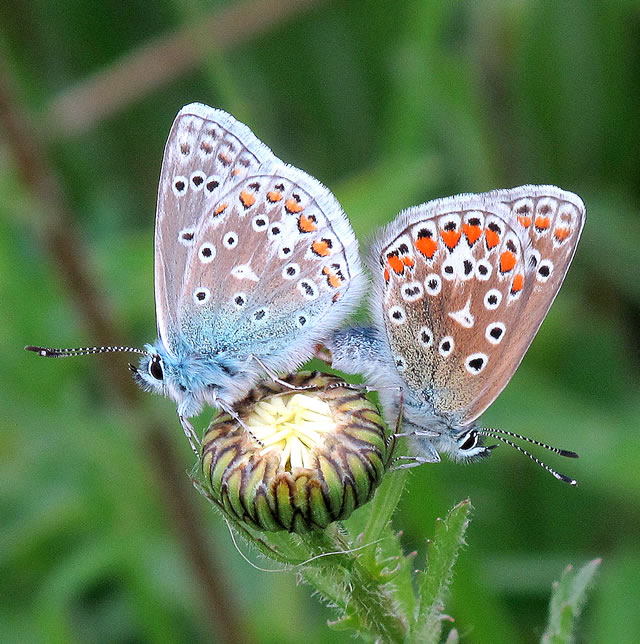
{"points": [[255, 264], [461, 286]]}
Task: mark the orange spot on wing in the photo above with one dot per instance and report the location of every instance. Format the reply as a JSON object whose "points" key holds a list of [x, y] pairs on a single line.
{"points": [[333, 280], [492, 238], [427, 246], [236, 171], [306, 224], [543, 223], [450, 238], [292, 206], [386, 275], [561, 233], [274, 196], [396, 264], [525, 221], [320, 247], [220, 209], [247, 199], [408, 261], [507, 261], [472, 233], [518, 283]]}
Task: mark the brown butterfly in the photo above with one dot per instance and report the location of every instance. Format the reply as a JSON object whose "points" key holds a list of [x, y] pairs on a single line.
{"points": [[461, 286]]}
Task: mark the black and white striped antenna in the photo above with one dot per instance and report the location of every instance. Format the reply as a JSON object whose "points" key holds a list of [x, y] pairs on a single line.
{"points": [[47, 352], [499, 434]]}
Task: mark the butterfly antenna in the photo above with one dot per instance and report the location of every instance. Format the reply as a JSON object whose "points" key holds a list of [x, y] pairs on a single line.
{"points": [[506, 441], [47, 352], [555, 450]]}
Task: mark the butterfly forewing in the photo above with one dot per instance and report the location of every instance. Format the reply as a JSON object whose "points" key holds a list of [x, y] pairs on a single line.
{"points": [[207, 152], [461, 296], [268, 267]]}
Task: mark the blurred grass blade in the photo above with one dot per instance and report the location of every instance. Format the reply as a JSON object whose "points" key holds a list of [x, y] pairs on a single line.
{"points": [[366, 197], [567, 599], [434, 582], [453, 637]]}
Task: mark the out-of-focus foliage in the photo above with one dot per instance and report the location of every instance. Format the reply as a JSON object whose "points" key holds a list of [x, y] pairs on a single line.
{"points": [[389, 104], [569, 594]]}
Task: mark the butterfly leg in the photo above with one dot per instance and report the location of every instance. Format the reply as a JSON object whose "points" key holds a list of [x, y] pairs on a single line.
{"points": [[274, 376], [288, 385], [191, 435], [419, 433], [392, 439], [351, 386], [412, 461], [397, 415], [228, 409]]}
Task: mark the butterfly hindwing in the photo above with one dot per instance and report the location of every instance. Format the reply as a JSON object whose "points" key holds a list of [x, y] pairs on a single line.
{"points": [[268, 268], [459, 293]]}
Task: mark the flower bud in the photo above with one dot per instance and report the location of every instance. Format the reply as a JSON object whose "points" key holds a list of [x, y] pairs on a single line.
{"points": [[304, 458]]}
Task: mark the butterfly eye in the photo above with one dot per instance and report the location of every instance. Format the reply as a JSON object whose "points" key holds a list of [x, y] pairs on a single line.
{"points": [[470, 440], [155, 368]]}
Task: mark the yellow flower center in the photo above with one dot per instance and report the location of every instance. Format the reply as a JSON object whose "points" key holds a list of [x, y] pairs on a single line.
{"points": [[293, 423]]}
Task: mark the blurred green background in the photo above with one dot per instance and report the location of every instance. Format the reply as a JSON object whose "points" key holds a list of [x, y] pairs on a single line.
{"points": [[389, 104]]}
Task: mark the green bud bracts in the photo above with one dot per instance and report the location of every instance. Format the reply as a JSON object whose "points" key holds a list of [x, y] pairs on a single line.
{"points": [[310, 456]]}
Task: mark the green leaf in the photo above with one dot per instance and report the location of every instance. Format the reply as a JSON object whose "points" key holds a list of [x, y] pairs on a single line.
{"points": [[434, 582], [346, 623], [382, 508], [566, 603]]}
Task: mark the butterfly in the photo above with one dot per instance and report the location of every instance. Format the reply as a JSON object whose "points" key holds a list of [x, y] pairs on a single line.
{"points": [[461, 286], [255, 264]]}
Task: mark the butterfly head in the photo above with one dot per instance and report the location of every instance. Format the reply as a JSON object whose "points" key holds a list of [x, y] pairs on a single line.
{"points": [[188, 378], [150, 372], [468, 446], [462, 444]]}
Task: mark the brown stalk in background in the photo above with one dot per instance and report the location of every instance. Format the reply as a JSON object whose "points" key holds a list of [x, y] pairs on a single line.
{"points": [[55, 228], [136, 74]]}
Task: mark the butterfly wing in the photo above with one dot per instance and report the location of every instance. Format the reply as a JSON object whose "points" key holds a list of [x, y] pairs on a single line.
{"points": [[254, 258], [462, 285], [207, 152], [274, 267]]}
